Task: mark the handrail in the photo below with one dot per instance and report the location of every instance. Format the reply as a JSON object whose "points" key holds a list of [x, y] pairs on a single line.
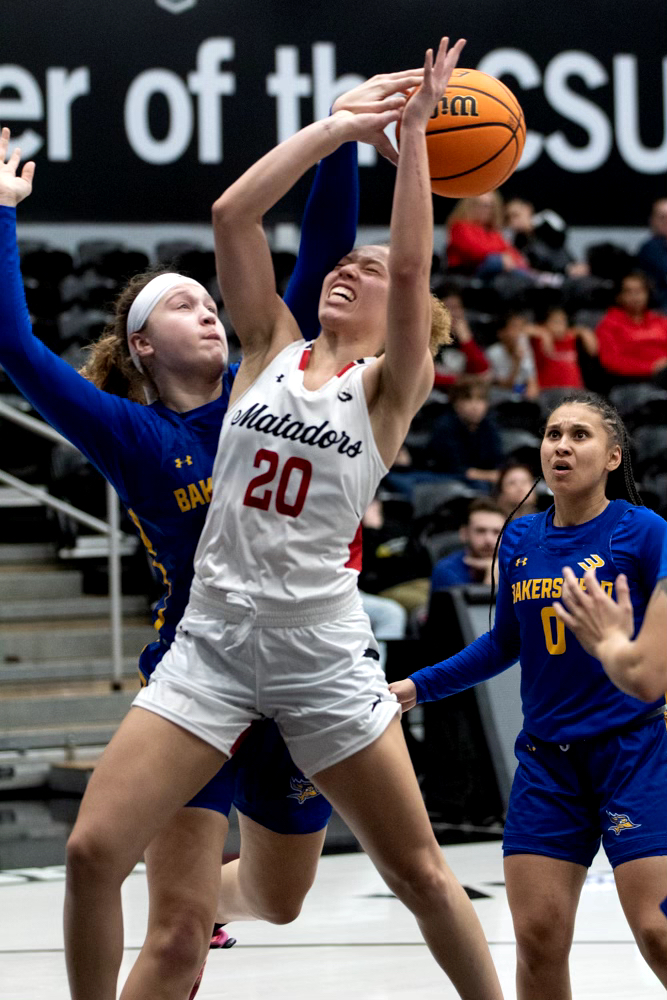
{"points": [[109, 527]]}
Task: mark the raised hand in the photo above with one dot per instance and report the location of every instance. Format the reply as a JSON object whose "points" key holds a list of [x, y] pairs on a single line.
{"points": [[437, 72], [13, 187], [382, 92], [591, 614]]}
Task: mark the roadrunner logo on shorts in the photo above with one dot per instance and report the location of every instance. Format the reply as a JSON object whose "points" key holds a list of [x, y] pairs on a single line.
{"points": [[302, 790], [621, 821]]}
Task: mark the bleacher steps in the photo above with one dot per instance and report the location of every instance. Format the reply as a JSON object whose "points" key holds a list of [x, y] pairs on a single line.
{"points": [[65, 608]]}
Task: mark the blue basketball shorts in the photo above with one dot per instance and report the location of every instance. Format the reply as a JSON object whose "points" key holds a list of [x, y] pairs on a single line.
{"points": [[567, 799], [260, 779]]}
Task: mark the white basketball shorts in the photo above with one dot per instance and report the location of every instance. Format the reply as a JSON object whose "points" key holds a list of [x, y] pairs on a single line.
{"points": [[322, 683]]}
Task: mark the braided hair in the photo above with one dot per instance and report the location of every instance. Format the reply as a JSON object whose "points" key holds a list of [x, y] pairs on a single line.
{"points": [[620, 482]]}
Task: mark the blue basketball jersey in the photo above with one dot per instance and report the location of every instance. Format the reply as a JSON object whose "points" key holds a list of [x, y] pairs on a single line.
{"points": [[565, 693], [662, 570]]}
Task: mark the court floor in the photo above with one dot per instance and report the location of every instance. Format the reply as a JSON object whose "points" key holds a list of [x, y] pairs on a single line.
{"points": [[353, 939]]}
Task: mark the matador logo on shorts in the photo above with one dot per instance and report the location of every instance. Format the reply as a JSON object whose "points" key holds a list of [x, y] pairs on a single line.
{"points": [[176, 6]]}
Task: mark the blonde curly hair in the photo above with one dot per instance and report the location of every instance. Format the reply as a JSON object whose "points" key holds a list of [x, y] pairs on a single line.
{"points": [[109, 365], [441, 326]]}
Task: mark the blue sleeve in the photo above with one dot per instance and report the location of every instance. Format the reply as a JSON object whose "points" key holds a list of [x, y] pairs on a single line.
{"points": [[662, 569], [328, 232], [93, 420], [637, 545], [487, 656]]}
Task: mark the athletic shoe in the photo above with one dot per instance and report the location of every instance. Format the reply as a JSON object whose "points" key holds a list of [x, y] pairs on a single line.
{"points": [[221, 939]]}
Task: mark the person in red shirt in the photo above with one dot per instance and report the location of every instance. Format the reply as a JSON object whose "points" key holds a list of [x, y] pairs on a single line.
{"points": [[464, 356], [554, 344], [476, 245], [632, 340]]}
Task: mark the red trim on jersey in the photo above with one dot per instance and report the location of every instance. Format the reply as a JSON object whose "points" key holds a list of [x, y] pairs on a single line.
{"points": [[347, 367], [354, 562], [305, 357]]}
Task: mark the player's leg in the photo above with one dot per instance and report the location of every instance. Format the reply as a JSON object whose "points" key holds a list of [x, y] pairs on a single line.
{"points": [[543, 895], [272, 875], [182, 865], [631, 768], [282, 819], [642, 886], [376, 792], [149, 770]]}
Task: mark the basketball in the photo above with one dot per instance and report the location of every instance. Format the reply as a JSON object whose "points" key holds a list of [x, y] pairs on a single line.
{"points": [[475, 137]]}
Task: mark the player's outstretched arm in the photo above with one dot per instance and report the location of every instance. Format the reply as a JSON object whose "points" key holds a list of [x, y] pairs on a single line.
{"points": [[604, 628], [243, 258], [329, 224]]}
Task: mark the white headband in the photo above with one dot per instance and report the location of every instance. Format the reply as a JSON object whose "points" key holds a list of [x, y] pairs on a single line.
{"points": [[145, 303]]}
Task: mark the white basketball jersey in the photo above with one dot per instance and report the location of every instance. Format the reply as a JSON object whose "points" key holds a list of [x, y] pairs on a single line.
{"points": [[295, 471]]}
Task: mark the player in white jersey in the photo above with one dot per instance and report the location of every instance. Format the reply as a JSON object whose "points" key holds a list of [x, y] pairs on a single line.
{"points": [[274, 626]]}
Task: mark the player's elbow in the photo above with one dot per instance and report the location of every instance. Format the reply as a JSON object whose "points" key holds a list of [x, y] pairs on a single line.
{"points": [[648, 687], [227, 210]]}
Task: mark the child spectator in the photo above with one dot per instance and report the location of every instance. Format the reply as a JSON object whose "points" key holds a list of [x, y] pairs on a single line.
{"points": [[464, 441], [464, 355], [554, 344], [511, 359]]}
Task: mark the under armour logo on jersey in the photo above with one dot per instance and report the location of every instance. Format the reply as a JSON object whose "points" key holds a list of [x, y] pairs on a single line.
{"points": [[180, 462], [279, 378], [344, 396], [521, 561], [592, 562]]}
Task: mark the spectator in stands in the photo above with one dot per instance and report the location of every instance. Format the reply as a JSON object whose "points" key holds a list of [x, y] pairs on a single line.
{"points": [[464, 441], [464, 355], [652, 255], [394, 565], [511, 358], [541, 239], [514, 482], [554, 344], [632, 340], [472, 563], [475, 244]]}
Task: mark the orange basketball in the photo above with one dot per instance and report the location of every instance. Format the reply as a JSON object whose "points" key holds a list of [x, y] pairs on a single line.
{"points": [[475, 137]]}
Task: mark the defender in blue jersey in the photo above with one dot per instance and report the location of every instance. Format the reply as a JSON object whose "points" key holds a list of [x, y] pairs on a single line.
{"points": [[592, 760], [159, 458]]}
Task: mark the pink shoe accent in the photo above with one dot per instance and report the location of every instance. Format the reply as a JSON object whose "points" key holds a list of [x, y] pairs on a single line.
{"points": [[221, 939]]}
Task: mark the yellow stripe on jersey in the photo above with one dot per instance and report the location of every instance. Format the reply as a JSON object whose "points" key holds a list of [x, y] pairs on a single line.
{"points": [[159, 621]]}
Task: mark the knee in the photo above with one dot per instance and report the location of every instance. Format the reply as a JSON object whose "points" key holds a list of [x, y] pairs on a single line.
{"points": [[423, 885], [283, 909], [179, 942], [543, 938], [89, 856], [652, 940]]}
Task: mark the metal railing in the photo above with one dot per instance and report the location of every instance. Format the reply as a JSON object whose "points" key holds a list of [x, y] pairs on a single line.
{"points": [[110, 527]]}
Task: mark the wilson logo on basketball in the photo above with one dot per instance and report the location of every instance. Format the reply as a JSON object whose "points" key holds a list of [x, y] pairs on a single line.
{"points": [[460, 104]]}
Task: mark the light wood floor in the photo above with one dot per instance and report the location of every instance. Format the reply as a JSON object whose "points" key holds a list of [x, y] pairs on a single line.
{"points": [[352, 940]]}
